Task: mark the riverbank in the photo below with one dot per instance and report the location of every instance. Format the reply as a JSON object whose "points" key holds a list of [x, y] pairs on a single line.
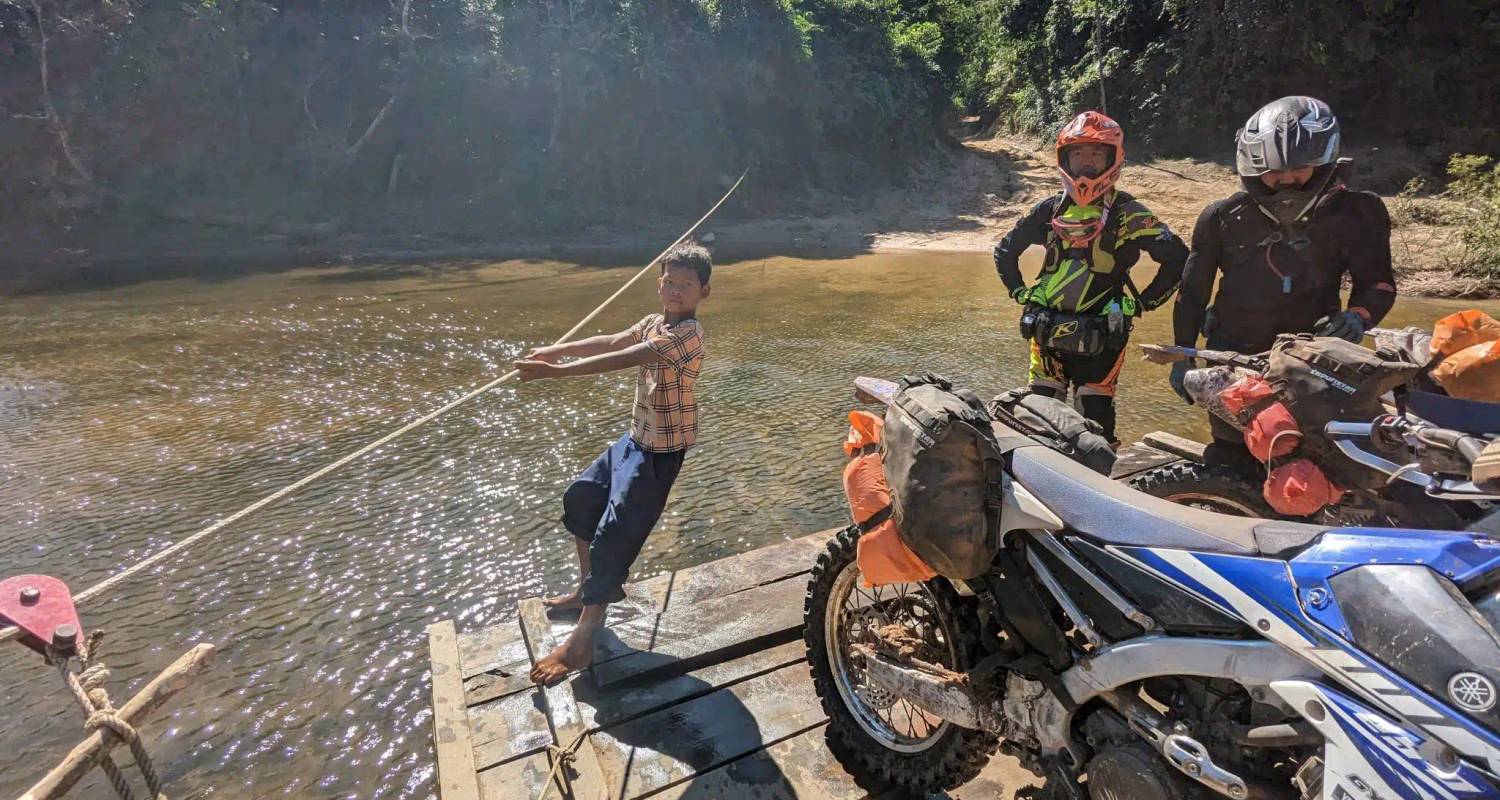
{"points": [[970, 204], [961, 201]]}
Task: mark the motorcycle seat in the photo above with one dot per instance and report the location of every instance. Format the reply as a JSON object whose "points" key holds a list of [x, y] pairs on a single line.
{"points": [[1112, 512]]}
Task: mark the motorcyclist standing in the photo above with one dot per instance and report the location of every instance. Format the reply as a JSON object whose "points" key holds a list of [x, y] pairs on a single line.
{"points": [[1284, 245], [1078, 315]]}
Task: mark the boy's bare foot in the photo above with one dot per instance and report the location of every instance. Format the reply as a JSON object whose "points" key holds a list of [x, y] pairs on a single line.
{"points": [[574, 654], [570, 656], [572, 601]]}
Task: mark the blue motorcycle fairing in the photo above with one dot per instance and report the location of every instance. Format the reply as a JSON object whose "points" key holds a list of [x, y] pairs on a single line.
{"points": [[1262, 592], [1366, 754], [1461, 557]]}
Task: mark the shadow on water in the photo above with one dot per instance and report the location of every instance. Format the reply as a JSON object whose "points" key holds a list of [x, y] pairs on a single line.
{"points": [[665, 715]]}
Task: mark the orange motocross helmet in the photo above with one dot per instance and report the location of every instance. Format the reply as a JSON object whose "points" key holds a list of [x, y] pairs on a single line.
{"points": [[1091, 127]]}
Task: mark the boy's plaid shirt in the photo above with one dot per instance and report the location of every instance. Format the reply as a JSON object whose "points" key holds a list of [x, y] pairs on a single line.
{"points": [[666, 414]]}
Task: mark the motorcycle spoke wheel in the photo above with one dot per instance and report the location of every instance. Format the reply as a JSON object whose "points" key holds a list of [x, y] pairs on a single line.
{"points": [[875, 733], [855, 615]]}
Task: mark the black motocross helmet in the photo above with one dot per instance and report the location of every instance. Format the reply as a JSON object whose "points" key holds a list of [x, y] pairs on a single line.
{"points": [[1286, 134], [1289, 133]]}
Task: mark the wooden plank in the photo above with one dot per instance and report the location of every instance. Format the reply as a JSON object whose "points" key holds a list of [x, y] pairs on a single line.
{"points": [[497, 684], [518, 779], [497, 647], [714, 629], [602, 709], [800, 767], [498, 654], [700, 735], [642, 599], [700, 629], [508, 727], [586, 778], [747, 570], [615, 705], [1176, 445], [450, 718]]}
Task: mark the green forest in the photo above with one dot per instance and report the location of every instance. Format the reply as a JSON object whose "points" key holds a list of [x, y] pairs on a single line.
{"points": [[495, 115]]}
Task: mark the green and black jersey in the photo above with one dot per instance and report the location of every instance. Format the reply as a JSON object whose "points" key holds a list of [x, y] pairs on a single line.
{"points": [[1086, 280]]}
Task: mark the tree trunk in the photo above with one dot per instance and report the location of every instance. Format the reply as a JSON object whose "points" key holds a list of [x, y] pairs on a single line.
{"points": [[54, 120], [352, 152]]}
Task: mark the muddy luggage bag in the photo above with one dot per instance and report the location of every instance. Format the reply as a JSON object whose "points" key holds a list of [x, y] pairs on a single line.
{"points": [[1323, 379], [1056, 425], [946, 474]]}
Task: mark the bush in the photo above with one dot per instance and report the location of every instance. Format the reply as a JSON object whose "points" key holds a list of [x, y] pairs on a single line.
{"points": [[1475, 185]]}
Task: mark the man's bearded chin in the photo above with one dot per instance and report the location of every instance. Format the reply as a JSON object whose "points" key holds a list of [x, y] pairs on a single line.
{"points": [[1087, 172]]}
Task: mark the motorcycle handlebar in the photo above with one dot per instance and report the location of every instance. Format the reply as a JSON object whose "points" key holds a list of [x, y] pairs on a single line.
{"points": [[1465, 446], [1459, 443], [1348, 430]]}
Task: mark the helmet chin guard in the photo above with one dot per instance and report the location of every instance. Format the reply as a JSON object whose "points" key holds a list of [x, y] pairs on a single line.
{"points": [[1091, 127]]}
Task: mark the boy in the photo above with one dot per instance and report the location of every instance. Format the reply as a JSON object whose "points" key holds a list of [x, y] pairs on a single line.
{"points": [[616, 502]]}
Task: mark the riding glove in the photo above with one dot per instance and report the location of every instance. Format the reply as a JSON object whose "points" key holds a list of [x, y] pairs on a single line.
{"points": [[1346, 325], [1179, 379]]}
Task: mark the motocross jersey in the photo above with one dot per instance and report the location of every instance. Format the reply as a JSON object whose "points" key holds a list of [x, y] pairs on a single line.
{"points": [[1087, 279]]}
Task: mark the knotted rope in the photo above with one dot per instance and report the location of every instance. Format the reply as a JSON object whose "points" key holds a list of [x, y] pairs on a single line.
{"points": [[87, 687], [561, 757]]}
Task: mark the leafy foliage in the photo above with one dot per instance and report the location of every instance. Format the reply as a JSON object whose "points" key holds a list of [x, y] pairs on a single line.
{"points": [[1476, 186], [463, 113], [1184, 74], [421, 115]]}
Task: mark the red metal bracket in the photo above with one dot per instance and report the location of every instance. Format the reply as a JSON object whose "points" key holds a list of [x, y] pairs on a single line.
{"points": [[42, 607]]}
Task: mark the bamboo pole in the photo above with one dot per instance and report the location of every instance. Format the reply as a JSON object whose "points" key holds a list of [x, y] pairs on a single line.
{"points": [[147, 701]]}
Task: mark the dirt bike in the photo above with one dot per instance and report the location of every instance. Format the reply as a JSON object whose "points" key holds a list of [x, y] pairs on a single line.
{"points": [[1399, 448], [1125, 647]]}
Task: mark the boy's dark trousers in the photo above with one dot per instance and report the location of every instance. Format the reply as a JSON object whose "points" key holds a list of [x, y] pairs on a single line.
{"points": [[613, 506]]}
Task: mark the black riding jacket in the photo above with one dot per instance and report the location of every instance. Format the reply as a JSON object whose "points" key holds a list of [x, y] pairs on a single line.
{"points": [[1278, 279]]}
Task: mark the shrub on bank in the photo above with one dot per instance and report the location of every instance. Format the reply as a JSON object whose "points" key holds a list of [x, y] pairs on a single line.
{"points": [[1475, 185]]}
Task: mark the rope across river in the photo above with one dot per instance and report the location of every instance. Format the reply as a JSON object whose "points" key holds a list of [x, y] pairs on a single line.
{"points": [[146, 563]]}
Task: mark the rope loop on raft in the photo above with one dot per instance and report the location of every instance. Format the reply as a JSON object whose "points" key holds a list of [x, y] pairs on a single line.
{"points": [[562, 757], [87, 687]]}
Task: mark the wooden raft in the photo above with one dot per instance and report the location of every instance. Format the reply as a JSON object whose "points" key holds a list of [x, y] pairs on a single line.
{"points": [[699, 689]]}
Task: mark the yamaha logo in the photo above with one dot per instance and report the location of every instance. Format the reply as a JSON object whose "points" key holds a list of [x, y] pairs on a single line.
{"points": [[1472, 691]]}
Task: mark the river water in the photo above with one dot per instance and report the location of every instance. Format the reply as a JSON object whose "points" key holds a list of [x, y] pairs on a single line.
{"points": [[131, 417]]}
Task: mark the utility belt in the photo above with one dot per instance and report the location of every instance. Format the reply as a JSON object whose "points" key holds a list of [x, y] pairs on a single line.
{"points": [[1080, 334]]}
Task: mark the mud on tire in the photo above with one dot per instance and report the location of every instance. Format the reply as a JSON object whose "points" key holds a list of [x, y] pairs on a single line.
{"points": [[955, 755], [1212, 487]]}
